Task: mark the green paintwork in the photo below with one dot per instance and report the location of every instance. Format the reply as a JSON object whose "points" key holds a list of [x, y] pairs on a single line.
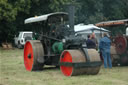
{"points": [[57, 47]]}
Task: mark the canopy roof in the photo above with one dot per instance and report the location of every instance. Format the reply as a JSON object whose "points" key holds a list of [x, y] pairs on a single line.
{"points": [[112, 23], [43, 17]]}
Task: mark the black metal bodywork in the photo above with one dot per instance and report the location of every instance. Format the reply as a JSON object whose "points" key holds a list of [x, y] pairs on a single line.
{"points": [[54, 31], [59, 27]]}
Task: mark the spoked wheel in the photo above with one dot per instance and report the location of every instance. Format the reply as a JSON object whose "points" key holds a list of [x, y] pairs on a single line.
{"points": [[121, 44], [33, 55]]}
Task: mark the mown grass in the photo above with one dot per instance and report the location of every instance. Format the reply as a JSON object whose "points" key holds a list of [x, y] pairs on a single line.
{"points": [[12, 72]]}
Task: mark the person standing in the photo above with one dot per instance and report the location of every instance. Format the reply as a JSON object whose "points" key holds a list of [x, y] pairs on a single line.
{"points": [[90, 43], [104, 47], [93, 38]]}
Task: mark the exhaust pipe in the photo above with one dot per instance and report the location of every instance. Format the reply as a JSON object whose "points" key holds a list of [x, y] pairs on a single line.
{"points": [[71, 12]]}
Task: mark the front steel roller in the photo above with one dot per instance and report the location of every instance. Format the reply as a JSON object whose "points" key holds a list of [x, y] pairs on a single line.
{"points": [[74, 62], [33, 55]]}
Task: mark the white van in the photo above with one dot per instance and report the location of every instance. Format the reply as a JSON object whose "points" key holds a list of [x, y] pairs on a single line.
{"points": [[22, 37]]}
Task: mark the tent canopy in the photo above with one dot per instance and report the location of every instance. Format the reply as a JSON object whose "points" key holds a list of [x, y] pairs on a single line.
{"points": [[87, 28]]}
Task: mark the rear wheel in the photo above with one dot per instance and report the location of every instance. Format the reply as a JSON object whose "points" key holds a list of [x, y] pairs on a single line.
{"points": [[121, 44], [33, 55]]}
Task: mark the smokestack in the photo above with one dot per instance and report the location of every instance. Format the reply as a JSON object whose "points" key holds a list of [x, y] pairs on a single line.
{"points": [[71, 12]]}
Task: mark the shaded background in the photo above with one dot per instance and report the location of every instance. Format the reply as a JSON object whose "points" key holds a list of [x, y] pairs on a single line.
{"points": [[14, 12]]}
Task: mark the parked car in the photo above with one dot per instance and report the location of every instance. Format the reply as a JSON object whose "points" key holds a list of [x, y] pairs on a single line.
{"points": [[22, 37]]}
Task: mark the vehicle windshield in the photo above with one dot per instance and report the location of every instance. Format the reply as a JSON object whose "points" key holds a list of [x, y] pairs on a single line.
{"points": [[27, 34]]}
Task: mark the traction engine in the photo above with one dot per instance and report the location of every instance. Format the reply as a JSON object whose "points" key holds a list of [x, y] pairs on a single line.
{"points": [[58, 45], [119, 48]]}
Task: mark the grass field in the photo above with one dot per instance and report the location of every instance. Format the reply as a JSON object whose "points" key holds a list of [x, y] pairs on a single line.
{"points": [[12, 72]]}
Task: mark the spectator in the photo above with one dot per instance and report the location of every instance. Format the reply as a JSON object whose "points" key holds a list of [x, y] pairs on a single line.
{"points": [[90, 43], [94, 40], [104, 47]]}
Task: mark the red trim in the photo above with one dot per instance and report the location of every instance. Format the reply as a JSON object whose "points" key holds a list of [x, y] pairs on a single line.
{"points": [[28, 62], [67, 71]]}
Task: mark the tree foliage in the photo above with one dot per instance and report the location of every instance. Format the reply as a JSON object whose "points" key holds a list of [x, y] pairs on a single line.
{"points": [[9, 9], [14, 12]]}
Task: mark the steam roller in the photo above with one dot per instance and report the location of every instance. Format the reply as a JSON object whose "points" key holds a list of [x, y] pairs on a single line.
{"points": [[119, 51], [72, 62], [58, 45]]}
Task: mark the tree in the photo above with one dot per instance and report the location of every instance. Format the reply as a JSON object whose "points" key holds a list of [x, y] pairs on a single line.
{"points": [[14, 12], [90, 11], [9, 10]]}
